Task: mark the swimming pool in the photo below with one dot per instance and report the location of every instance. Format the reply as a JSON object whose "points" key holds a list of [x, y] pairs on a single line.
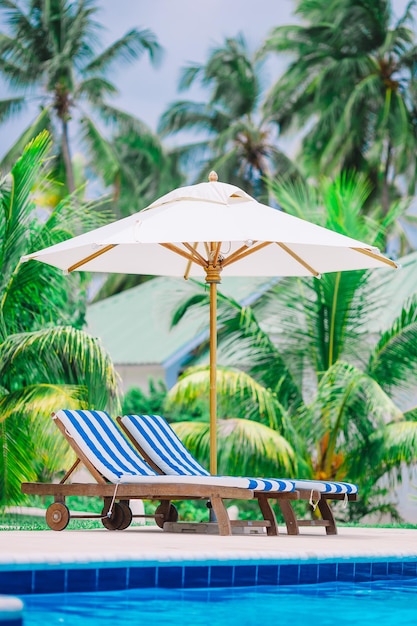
{"points": [[212, 592], [387, 602], [24, 579]]}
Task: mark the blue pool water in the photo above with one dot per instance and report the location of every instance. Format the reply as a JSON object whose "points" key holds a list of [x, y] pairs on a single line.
{"points": [[385, 603]]}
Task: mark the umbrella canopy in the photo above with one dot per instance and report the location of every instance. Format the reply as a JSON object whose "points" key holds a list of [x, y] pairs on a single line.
{"points": [[209, 230]]}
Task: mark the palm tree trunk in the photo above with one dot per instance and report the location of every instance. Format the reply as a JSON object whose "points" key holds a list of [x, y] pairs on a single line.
{"points": [[385, 199], [69, 172]]}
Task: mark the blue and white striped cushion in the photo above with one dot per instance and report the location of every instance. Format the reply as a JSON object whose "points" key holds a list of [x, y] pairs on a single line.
{"points": [[112, 455], [326, 486], [159, 441], [161, 444]]}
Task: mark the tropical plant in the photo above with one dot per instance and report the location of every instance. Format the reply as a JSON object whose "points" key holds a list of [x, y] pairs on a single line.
{"points": [[49, 56], [46, 360], [317, 365], [236, 139], [350, 89], [146, 171], [154, 402]]}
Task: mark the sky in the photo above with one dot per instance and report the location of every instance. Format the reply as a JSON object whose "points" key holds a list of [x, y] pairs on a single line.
{"points": [[187, 30]]}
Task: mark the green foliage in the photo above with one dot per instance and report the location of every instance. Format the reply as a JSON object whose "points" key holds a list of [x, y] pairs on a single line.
{"points": [[307, 386], [46, 360], [245, 447], [27, 522], [136, 401], [350, 85], [237, 139], [155, 402], [51, 51], [74, 503]]}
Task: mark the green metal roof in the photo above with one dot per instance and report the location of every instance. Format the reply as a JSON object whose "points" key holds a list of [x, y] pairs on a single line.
{"points": [[135, 325]]}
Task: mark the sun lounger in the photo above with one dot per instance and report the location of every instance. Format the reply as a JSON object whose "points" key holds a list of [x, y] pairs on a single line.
{"points": [[122, 475], [164, 451]]}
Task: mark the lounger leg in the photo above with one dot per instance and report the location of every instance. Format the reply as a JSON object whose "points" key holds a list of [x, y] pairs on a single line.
{"points": [[225, 528], [327, 514], [268, 515], [289, 517]]}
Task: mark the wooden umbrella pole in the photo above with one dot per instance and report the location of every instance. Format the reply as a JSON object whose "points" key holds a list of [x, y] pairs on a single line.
{"points": [[213, 278], [213, 378]]}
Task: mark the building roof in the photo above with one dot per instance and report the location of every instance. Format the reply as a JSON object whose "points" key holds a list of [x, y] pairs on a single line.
{"points": [[135, 325]]}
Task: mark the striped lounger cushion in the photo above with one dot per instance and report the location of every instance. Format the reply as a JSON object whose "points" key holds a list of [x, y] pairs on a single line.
{"points": [[159, 441], [99, 438]]}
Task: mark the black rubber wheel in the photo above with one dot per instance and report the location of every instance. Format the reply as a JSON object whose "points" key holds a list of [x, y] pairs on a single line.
{"points": [[161, 516], [57, 516], [127, 515], [115, 520]]}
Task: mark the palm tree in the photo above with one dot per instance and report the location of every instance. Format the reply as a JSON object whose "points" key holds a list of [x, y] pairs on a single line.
{"points": [[46, 360], [49, 57], [350, 89], [236, 139], [146, 170], [314, 367]]}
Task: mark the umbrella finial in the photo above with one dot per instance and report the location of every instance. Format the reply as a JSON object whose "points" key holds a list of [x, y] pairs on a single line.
{"points": [[213, 178]]}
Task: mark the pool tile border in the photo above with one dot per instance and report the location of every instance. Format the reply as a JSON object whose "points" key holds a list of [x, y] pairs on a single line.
{"points": [[112, 576]]}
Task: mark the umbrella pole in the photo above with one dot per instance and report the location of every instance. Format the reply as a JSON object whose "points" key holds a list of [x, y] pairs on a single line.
{"points": [[213, 377]]}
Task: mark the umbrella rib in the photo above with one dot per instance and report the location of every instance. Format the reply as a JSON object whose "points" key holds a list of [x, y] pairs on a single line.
{"points": [[298, 259], [216, 253], [244, 251], [195, 255], [91, 257], [188, 268], [376, 256], [186, 255]]}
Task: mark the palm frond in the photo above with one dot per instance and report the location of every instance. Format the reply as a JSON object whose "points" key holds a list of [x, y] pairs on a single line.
{"points": [[95, 89], [16, 201], [31, 447], [11, 107], [238, 393], [245, 447], [348, 407], [393, 363], [16, 445], [388, 450], [189, 74], [128, 48], [61, 355], [41, 123], [185, 114], [105, 158]]}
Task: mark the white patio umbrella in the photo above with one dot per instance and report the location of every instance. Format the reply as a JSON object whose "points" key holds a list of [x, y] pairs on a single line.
{"points": [[209, 230]]}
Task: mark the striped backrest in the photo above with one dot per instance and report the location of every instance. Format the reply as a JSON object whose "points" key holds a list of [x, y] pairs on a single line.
{"points": [[160, 443], [103, 444]]}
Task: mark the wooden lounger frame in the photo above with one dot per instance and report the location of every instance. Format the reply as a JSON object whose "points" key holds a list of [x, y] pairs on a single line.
{"points": [[116, 514], [283, 499]]}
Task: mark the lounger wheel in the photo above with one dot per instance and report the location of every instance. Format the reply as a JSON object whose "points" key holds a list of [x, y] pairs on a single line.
{"points": [[127, 515], [115, 521], [57, 516], [163, 515]]}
